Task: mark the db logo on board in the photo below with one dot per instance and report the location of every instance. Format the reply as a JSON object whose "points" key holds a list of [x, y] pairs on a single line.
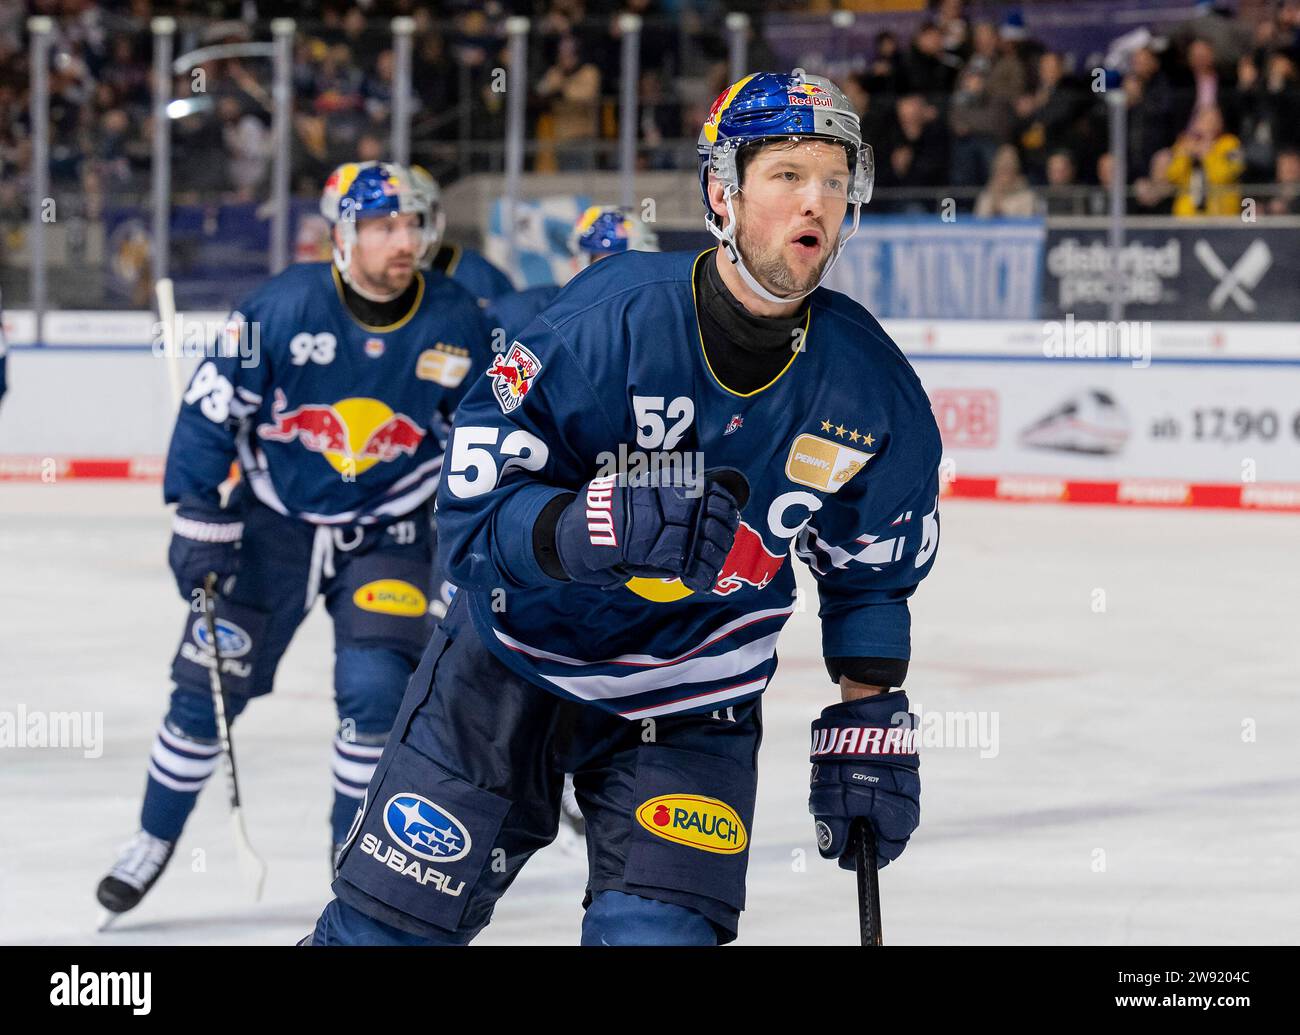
{"points": [[967, 417]]}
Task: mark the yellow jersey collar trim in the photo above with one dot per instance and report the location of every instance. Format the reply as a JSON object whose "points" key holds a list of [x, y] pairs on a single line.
{"points": [[388, 328], [695, 302]]}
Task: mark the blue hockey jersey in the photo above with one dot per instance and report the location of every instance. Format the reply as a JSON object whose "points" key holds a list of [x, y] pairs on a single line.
{"points": [[840, 450], [333, 421], [515, 311], [473, 272]]}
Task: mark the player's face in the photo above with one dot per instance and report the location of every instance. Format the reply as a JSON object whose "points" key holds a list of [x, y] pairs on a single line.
{"points": [[383, 259], [789, 210]]}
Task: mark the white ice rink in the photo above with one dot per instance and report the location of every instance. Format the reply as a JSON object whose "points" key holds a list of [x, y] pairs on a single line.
{"points": [[1145, 785]]}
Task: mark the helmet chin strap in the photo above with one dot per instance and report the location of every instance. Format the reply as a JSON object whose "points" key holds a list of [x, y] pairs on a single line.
{"points": [[343, 256], [727, 237]]}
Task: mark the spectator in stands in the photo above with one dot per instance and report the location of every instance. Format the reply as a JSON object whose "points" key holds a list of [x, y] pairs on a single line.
{"points": [[1009, 77], [930, 70], [1049, 116], [572, 86], [984, 48], [1098, 200], [1270, 109], [917, 147], [363, 43], [1205, 167], [1150, 108], [1007, 193], [955, 29], [1061, 196], [1204, 77], [435, 86], [1286, 202], [1224, 34], [377, 91], [1154, 192], [979, 124], [247, 143], [881, 79], [660, 121]]}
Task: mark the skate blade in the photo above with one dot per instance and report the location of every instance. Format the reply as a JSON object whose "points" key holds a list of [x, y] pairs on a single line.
{"points": [[107, 918]]}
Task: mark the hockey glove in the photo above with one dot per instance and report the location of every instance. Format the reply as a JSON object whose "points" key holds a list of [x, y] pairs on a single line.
{"points": [[865, 764], [204, 539], [612, 532]]}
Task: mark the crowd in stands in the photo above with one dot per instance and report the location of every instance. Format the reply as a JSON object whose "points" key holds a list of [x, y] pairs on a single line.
{"points": [[977, 109]]}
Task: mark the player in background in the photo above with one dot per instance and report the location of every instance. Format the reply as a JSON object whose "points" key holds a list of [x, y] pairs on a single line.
{"points": [[333, 387], [623, 627], [465, 266], [601, 231]]}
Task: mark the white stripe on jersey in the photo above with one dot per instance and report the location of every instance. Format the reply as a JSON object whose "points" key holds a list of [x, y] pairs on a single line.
{"points": [[698, 670], [647, 660], [697, 700]]}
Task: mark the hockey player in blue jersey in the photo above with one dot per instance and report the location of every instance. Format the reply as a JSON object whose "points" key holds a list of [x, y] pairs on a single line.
{"points": [[623, 488], [333, 388], [465, 266], [601, 231]]}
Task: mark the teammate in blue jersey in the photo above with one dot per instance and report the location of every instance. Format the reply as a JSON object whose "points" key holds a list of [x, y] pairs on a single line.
{"points": [[333, 389], [623, 488], [601, 231]]}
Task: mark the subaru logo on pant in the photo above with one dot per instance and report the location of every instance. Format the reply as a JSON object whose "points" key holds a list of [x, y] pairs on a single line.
{"points": [[232, 641], [425, 829]]}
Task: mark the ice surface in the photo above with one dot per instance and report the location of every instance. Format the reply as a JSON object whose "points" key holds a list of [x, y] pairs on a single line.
{"points": [[1126, 803]]}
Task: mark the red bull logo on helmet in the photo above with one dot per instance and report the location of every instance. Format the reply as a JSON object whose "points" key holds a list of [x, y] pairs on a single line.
{"points": [[810, 94], [353, 435]]}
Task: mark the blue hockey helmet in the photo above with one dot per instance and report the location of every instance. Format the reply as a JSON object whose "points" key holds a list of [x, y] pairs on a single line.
{"points": [[607, 230], [771, 106], [368, 190]]}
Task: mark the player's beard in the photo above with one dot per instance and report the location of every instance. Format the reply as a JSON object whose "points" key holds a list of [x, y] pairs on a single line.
{"points": [[388, 281], [770, 269]]}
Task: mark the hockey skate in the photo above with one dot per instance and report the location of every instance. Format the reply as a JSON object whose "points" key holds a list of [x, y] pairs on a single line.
{"points": [[136, 871]]}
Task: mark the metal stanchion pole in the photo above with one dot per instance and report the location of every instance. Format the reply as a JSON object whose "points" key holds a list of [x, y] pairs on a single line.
{"points": [[164, 30], [40, 28], [282, 30], [403, 28], [1118, 105], [630, 71], [737, 45], [516, 96]]}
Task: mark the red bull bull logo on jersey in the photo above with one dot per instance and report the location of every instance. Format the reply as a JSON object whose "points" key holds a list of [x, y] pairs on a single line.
{"points": [[513, 375], [749, 563], [352, 434]]}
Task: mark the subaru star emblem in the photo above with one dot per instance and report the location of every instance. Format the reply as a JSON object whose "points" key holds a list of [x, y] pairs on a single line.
{"points": [[425, 829]]}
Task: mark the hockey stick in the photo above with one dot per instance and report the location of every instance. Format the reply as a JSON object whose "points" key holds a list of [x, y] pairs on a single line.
{"points": [[166, 294], [250, 865], [864, 858]]}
